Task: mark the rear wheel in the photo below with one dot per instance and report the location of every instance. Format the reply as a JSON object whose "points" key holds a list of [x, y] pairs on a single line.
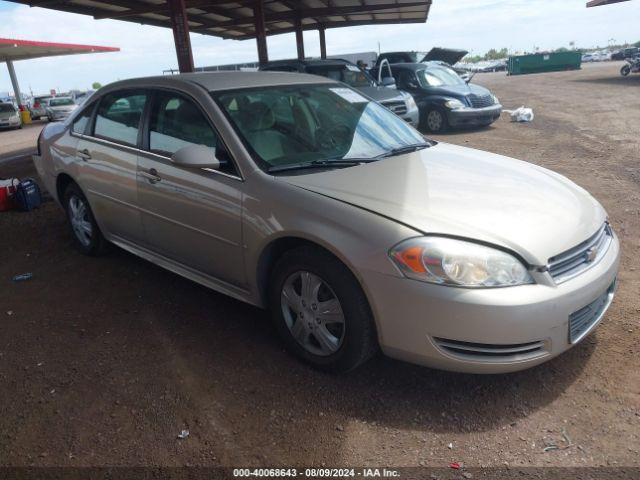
{"points": [[626, 70], [86, 233], [320, 311]]}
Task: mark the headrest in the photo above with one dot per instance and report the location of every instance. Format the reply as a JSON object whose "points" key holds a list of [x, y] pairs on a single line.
{"points": [[259, 117]]}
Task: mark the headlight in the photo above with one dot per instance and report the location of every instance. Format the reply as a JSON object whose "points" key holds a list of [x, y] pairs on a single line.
{"points": [[446, 261], [454, 104], [411, 103], [495, 100]]}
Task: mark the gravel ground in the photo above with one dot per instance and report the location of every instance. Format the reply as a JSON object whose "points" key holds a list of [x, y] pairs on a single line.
{"points": [[104, 361]]}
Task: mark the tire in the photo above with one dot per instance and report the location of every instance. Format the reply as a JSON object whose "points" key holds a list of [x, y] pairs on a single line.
{"points": [[348, 344], [85, 231], [626, 70], [435, 120]]}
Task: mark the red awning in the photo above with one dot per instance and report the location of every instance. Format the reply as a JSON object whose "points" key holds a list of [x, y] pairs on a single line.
{"points": [[12, 49]]}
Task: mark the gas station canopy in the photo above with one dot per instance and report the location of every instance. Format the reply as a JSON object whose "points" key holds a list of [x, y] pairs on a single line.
{"points": [[597, 3], [13, 50]]}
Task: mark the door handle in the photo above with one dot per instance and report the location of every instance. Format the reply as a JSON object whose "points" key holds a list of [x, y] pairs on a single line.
{"points": [[84, 154], [151, 175]]}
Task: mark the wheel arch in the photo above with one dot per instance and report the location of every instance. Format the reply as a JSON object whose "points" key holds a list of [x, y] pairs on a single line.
{"points": [[63, 180], [277, 247]]}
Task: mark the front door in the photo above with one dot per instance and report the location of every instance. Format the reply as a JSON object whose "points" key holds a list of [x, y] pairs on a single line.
{"points": [[191, 216]]}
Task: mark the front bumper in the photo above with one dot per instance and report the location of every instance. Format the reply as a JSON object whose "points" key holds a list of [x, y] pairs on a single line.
{"points": [[491, 330], [10, 123], [474, 117], [412, 117]]}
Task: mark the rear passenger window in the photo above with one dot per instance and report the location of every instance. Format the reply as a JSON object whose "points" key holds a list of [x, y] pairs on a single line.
{"points": [[176, 123], [80, 123], [118, 117]]}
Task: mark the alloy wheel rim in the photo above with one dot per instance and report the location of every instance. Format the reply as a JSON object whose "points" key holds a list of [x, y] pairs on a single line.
{"points": [[434, 120], [79, 217], [312, 313]]}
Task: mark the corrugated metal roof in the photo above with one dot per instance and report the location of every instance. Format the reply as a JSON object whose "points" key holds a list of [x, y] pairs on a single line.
{"points": [[234, 19]]}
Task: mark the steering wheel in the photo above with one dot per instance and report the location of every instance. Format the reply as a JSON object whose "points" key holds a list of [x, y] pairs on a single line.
{"points": [[334, 136]]}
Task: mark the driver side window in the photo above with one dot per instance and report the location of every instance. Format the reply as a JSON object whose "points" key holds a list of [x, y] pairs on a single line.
{"points": [[176, 122]]}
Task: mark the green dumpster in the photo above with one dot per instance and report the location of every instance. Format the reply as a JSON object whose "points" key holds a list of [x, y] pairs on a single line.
{"points": [[544, 62]]}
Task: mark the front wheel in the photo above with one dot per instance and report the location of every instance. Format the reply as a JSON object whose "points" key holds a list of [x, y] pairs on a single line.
{"points": [[86, 233], [626, 70], [435, 120], [320, 311]]}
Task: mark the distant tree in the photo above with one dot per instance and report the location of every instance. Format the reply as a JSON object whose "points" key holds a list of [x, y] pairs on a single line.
{"points": [[637, 44], [562, 49], [96, 85]]}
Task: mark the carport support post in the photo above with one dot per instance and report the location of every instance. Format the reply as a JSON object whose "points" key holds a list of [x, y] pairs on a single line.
{"points": [[14, 82], [261, 32], [323, 43], [181, 38], [299, 39]]}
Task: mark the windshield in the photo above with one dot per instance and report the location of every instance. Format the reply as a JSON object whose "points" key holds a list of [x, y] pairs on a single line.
{"points": [[60, 102], [5, 107], [289, 125], [349, 74], [438, 76]]}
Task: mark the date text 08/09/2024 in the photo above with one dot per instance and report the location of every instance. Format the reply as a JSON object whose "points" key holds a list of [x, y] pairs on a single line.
{"points": [[316, 472]]}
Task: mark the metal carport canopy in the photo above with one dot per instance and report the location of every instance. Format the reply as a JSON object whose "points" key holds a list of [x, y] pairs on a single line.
{"points": [[245, 19], [12, 50]]}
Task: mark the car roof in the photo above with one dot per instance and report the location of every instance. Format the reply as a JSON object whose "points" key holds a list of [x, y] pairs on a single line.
{"points": [[218, 81]]}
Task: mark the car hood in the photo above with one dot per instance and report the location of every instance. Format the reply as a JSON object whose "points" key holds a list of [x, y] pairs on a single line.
{"points": [[382, 94], [466, 193], [457, 91], [447, 55], [6, 115], [63, 108]]}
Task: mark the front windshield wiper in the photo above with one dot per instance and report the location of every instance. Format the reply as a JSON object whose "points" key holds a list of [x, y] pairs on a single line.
{"points": [[321, 163], [404, 149]]}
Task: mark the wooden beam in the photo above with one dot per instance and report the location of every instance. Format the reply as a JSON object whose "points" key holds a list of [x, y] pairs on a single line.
{"points": [[261, 31], [299, 38], [323, 42], [181, 35]]}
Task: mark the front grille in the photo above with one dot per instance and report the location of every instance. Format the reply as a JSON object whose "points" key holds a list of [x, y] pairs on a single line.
{"points": [[581, 321], [581, 257], [491, 352], [481, 101], [397, 107]]}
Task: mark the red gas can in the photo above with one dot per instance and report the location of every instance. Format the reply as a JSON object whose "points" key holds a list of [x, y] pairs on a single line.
{"points": [[7, 189]]}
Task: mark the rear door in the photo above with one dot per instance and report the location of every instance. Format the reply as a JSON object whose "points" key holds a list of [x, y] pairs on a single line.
{"points": [[191, 216], [108, 151]]}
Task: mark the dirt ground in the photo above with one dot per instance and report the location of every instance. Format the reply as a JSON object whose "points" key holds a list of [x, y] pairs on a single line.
{"points": [[103, 361]]}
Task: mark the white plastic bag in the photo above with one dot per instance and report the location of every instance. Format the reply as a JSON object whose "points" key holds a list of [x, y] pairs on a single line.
{"points": [[522, 114]]}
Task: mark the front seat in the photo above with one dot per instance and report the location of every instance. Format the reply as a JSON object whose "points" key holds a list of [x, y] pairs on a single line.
{"points": [[259, 123]]}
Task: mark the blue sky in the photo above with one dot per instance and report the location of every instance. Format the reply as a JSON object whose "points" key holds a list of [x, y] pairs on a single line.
{"points": [[475, 25]]}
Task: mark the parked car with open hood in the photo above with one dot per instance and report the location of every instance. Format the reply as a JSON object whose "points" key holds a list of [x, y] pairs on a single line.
{"points": [[443, 97], [400, 103], [9, 116], [299, 194], [59, 108]]}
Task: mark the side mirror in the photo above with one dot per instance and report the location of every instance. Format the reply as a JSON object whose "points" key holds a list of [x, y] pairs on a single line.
{"points": [[388, 82], [196, 156]]}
